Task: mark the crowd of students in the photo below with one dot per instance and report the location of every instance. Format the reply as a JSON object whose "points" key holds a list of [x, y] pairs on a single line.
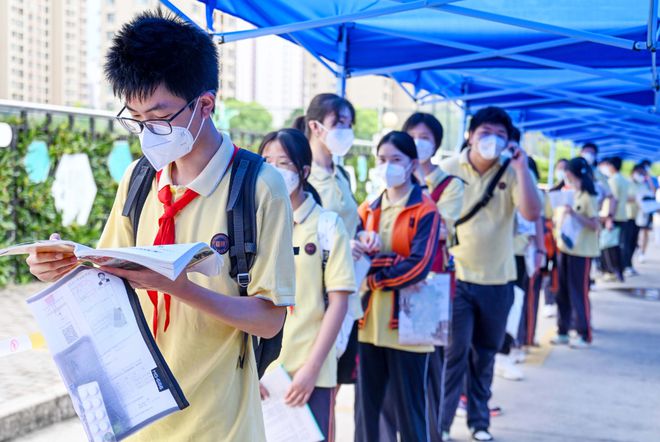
{"points": [[476, 215]]}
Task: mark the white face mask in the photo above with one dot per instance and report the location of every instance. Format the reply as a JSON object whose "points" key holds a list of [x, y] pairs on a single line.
{"points": [[391, 175], [339, 140], [560, 176], [638, 178], [490, 146], [589, 158], [161, 150], [291, 179], [605, 171], [425, 149]]}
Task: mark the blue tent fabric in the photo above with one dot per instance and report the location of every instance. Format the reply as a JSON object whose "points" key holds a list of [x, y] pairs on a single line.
{"points": [[581, 69]]}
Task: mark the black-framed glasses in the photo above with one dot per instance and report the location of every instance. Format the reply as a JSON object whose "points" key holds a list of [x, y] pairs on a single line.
{"points": [[157, 126]]}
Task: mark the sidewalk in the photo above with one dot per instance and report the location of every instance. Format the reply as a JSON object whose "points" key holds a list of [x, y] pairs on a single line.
{"points": [[31, 393]]}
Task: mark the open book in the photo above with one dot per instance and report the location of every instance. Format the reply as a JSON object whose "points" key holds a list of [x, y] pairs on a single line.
{"points": [[168, 260]]}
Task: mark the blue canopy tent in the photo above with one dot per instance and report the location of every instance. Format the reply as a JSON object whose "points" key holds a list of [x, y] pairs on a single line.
{"points": [[577, 70]]}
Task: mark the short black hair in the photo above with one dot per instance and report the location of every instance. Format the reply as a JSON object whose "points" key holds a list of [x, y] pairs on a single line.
{"points": [[323, 105], [615, 162], [590, 145], [402, 141], [515, 134], [427, 120], [491, 115], [156, 48], [534, 168], [645, 162]]}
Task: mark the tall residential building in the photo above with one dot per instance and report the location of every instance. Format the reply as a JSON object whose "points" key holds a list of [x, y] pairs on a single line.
{"points": [[270, 72], [43, 56], [115, 13]]}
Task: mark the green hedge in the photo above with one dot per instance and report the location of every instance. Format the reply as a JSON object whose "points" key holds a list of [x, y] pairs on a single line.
{"points": [[36, 217]]}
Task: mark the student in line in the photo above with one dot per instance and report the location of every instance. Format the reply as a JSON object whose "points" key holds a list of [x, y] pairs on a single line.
{"points": [[646, 189], [485, 267], [322, 289], [575, 256], [407, 222], [550, 283], [630, 238], [328, 125], [200, 321], [615, 216], [447, 192]]}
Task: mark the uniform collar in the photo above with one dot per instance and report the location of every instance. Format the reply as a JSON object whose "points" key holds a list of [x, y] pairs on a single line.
{"points": [[435, 176], [304, 210], [321, 173], [414, 196], [464, 160], [207, 181]]}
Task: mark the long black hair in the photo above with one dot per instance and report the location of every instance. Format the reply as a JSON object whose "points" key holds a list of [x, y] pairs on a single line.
{"points": [[297, 148], [581, 169], [323, 105], [404, 143]]}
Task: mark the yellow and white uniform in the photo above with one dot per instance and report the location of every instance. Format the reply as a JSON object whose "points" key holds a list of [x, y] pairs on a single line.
{"points": [[303, 324], [202, 351]]}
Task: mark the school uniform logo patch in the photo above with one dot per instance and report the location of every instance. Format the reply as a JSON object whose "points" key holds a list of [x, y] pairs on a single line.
{"points": [[310, 248], [220, 243], [502, 185]]}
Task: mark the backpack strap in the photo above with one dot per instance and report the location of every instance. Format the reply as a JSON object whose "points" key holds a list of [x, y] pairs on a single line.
{"points": [[438, 191], [242, 226], [487, 196], [139, 186], [326, 235]]}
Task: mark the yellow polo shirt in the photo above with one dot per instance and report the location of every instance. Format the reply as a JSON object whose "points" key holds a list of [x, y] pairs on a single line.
{"points": [[450, 203], [632, 208], [377, 329], [336, 195], [202, 351], [586, 244], [485, 253], [303, 324], [619, 186]]}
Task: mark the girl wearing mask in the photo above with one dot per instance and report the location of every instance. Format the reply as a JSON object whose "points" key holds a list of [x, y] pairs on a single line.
{"points": [[575, 256], [407, 222], [308, 345], [328, 125]]}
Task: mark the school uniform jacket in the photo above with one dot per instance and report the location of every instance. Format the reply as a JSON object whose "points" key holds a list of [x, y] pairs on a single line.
{"points": [[414, 244]]}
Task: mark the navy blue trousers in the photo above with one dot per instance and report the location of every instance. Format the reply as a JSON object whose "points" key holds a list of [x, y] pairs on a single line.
{"points": [[573, 295], [479, 315], [406, 373]]}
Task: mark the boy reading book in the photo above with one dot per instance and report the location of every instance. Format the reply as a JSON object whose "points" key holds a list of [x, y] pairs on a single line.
{"points": [[166, 72]]}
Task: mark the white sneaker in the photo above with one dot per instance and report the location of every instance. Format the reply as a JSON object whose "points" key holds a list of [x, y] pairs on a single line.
{"points": [[518, 356], [630, 272], [505, 368], [641, 258], [445, 436], [549, 311], [482, 435], [578, 343]]}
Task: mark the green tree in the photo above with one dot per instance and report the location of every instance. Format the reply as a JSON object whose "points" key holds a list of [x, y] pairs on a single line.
{"points": [[366, 123], [297, 112], [251, 117]]}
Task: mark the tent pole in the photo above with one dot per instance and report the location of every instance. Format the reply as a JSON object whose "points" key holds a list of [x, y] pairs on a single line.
{"points": [[551, 162], [462, 127], [341, 63]]}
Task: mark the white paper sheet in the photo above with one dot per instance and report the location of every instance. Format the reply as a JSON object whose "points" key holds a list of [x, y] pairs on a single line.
{"points": [[93, 335], [560, 198], [284, 423], [354, 311], [513, 320], [570, 230], [424, 310]]}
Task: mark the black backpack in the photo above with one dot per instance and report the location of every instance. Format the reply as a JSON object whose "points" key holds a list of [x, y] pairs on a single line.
{"points": [[242, 226]]}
